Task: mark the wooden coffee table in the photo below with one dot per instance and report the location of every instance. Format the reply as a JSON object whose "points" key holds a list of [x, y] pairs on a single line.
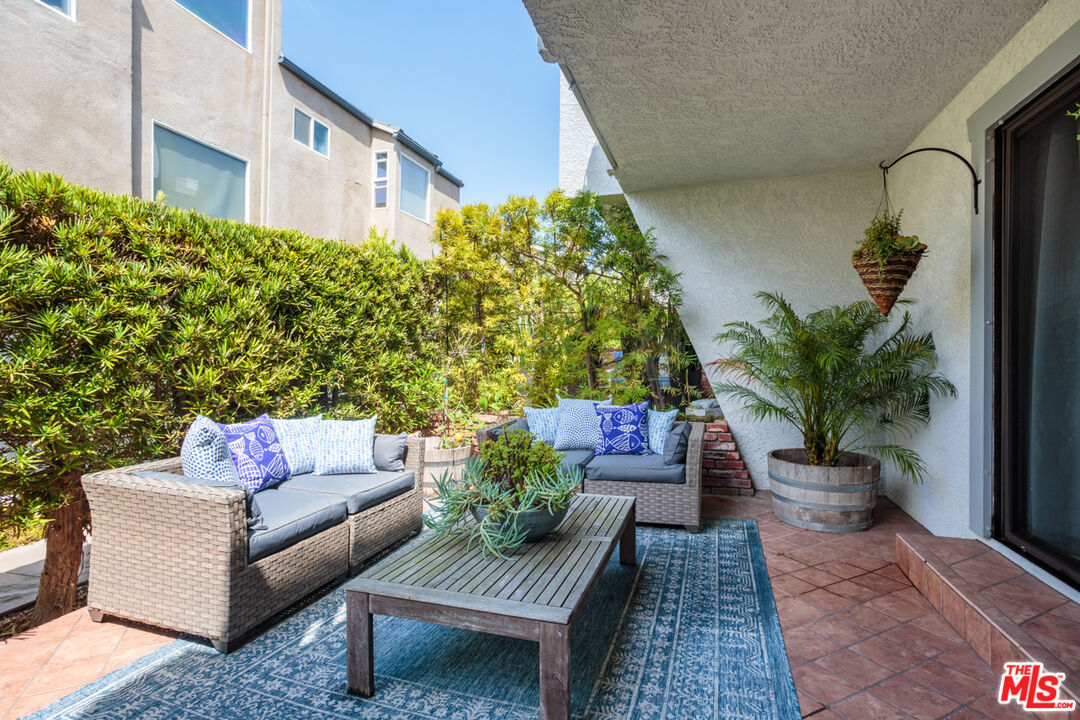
{"points": [[535, 595]]}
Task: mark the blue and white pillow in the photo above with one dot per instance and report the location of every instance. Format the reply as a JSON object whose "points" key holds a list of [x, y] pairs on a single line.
{"points": [[660, 424], [205, 453], [300, 439], [347, 446], [543, 423], [257, 452], [579, 427], [624, 429]]}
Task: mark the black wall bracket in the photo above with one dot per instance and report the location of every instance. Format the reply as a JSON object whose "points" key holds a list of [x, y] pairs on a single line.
{"points": [[975, 181]]}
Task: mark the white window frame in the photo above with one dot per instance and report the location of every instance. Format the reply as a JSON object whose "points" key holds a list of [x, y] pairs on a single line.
{"points": [[427, 194], [310, 144], [72, 16], [247, 27], [212, 146], [376, 183]]}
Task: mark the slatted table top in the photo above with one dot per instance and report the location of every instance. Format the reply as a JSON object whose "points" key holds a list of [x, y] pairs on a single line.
{"points": [[544, 581]]}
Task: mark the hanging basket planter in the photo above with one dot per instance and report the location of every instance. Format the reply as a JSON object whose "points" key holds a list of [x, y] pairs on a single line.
{"points": [[886, 258], [886, 281]]}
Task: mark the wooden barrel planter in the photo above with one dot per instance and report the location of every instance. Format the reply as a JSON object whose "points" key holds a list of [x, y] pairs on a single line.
{"points": [[829, 499], [438, 459]]}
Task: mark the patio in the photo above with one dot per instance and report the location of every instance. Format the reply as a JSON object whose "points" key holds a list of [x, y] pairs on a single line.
{"points": [[861, 640]]}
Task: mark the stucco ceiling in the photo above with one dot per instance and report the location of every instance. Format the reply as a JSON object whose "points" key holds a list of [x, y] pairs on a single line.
{"points": [[695, 91]]}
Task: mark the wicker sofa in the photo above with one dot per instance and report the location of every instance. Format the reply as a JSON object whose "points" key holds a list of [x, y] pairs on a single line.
{"points": [[666, 494], [175, 553]]}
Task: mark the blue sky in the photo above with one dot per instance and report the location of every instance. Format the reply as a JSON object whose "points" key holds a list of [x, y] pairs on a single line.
{"points": [[462, 78]]}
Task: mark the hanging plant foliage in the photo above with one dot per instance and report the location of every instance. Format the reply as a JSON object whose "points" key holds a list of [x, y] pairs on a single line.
{"points": [[886, 259]]}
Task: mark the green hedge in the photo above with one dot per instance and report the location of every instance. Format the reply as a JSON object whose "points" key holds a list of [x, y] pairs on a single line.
{"points": [[120, 319]]}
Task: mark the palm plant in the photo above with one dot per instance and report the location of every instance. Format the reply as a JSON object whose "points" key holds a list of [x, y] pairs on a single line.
{"points": [[838, 376]]}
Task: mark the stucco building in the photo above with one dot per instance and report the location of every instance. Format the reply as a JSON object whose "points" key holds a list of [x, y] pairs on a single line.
{"points": [[749, 136], [193, 99]]}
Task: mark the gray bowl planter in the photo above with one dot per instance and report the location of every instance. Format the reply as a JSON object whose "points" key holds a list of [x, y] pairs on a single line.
{"points": [[537, 522], [829, 499]]}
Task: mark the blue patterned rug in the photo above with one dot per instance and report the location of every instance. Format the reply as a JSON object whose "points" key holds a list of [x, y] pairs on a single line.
{"points": [[691, 632]]}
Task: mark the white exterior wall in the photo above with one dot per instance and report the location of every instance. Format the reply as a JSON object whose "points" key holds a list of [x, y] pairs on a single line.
{"points": [[796, 234], [582, 163]]}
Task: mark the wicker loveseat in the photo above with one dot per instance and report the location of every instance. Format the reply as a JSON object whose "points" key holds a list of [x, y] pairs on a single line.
{"points": [[172, 552], [666, 494]]}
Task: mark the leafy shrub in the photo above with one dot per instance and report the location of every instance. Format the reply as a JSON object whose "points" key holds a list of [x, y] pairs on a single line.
{"points": [[517, 454], [121, 319]]}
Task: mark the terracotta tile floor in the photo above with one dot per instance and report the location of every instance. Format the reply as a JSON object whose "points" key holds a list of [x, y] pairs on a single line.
{"points": [[50, 661], [863, 643]]}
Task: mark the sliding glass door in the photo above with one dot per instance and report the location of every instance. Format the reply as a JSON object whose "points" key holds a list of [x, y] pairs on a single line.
{"points": [[1037, 162]]}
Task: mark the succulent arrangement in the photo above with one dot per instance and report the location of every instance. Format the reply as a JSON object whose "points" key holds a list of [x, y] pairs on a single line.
{"points": [[883, 240], [512, 475]]}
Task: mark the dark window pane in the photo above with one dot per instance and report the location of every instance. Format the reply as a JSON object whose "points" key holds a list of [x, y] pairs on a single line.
{"points": [[320, 138], [1041, 346]]}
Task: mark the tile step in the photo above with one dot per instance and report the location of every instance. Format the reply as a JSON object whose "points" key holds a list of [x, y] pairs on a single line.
{"points": [[995, 605]]}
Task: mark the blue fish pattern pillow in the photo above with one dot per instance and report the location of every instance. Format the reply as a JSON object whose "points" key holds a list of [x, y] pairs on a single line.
{"points": [[624, 429], [260, 460]]}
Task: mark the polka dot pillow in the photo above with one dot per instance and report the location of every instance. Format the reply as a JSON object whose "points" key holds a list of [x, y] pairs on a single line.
{"points": [[579, 427], [205, 453]]}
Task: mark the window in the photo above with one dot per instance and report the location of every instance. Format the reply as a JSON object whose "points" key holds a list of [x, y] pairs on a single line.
{"points": [[1037, 373], [65, 6], [414, 188], [230, 17], [194, 176], [310, 132], [382, 177]]}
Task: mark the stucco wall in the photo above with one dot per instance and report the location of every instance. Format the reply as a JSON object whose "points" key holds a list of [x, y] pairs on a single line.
{"points": [[733, 240], [935, 192], [214, 95], [796, 234], [322, 196], [582, 163], [67, 68]]}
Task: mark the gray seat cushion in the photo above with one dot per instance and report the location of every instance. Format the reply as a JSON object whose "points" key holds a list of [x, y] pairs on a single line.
{"points": [[634, 468], [575, 457], [291, 516], [359, 491]]}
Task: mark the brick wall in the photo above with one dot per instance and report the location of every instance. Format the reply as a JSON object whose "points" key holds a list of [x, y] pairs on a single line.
{"points": [[723, 471]]}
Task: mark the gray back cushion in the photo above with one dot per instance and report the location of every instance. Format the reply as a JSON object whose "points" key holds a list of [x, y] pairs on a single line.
{"points": [[675, 445], [390, 452], [518, 424]]}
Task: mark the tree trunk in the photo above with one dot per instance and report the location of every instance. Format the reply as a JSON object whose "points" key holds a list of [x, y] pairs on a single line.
{"points": [[64, 536]]}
